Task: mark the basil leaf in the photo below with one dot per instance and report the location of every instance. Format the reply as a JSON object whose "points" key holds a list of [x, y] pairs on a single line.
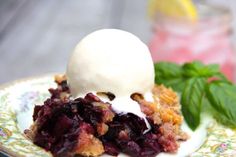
{"points": [[169, 74], [191, 101], [197, 69], [190, 79], [222, 97], [222, 77], [168, 70]]}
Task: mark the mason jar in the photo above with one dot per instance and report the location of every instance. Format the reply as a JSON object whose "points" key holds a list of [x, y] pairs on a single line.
{"points": [[208, 39]]}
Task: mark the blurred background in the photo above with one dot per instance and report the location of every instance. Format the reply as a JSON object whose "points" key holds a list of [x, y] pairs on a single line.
{"points": [[38, 36]]}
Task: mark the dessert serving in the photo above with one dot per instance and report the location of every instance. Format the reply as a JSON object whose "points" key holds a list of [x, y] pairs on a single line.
{"points": [[114, 101], [108, 103]]}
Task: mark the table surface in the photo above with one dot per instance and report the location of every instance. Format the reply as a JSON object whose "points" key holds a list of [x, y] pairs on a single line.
{"points": [[38, 36]]}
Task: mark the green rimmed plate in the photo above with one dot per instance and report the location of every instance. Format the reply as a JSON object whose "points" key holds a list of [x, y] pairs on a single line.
{"points": [[17, 101]]}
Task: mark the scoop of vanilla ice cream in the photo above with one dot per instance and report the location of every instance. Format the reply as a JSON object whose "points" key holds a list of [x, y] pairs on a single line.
{"points": [[110, 60]]}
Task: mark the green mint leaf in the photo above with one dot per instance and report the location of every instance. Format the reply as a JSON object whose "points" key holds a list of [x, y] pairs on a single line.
{"points": [[197, 69], [222, 96], [169, 74], [191, 101]]}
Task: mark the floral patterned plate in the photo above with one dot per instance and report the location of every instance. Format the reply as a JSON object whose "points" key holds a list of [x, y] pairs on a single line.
{"points": [[17, 101]]}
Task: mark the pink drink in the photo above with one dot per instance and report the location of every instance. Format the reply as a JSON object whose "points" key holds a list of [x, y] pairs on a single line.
{"points": [[207, 40]]}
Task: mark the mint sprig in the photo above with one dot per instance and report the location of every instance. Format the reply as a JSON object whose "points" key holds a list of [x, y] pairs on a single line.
{"points": [[193, 82]]}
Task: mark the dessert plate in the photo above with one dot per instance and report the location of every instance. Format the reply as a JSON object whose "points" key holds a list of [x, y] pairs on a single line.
{"points": [[17, 100]]}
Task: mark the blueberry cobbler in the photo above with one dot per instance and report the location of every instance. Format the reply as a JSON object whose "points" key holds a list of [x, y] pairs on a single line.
{"points": [[88, 126], [108, 103]]}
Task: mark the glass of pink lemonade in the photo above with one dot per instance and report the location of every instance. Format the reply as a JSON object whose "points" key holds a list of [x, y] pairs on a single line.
{"points": [[208, 39]]}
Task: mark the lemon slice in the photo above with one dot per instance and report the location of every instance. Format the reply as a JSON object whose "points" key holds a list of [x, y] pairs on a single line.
{"points": [[173, 8]]}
